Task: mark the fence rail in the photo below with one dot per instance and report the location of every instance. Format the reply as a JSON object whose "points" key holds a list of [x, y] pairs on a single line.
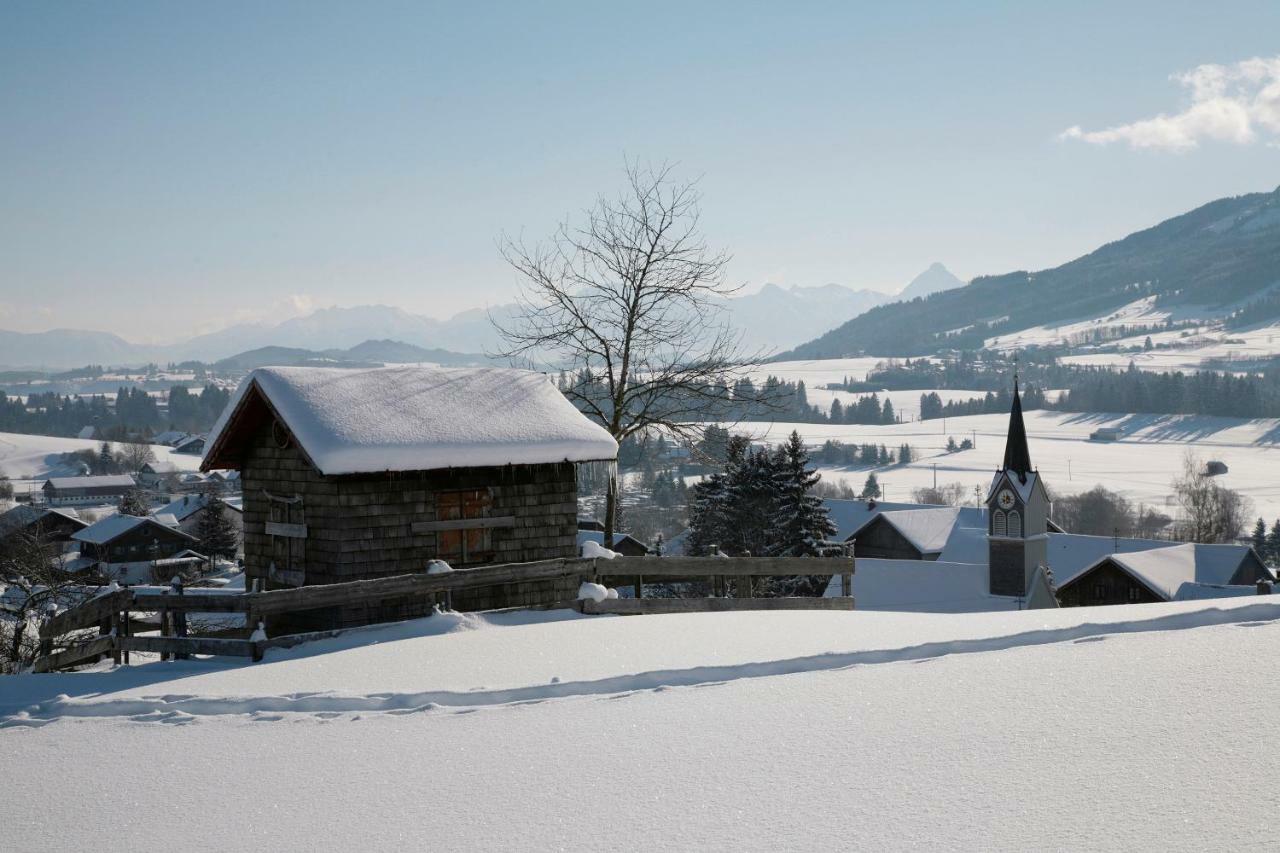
{"points": [[109, 613]]}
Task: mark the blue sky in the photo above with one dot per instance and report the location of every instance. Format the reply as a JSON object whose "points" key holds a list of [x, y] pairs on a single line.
{"points": [[175, 167]]}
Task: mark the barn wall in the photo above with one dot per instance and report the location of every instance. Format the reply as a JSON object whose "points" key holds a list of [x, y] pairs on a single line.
{"points": [[1105, 584], [361, 526], [879, 539]]}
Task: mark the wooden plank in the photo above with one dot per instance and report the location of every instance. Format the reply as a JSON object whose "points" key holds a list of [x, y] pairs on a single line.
{"points": [[463, 524], [289, 531], [357, 592], [206, 603], [288, 577], [188, 646], [634, 607], [87, 615], [75, 654], [703, 567]]}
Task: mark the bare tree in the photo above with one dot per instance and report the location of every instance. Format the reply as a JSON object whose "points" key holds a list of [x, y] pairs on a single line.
{"points": [[133, 456], [32, 569], [947, 494], [629, 302], [1210, 512]]}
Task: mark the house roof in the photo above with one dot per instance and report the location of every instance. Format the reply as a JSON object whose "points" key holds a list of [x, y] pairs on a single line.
{"points": [[597, 536], [850, 516], [1166, 570], [926, 529], [186, 506], [414, 418], [101, 481], [114, 526], [24, 515]]}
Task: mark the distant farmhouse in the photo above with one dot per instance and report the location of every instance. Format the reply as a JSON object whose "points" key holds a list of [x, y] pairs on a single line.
{"points": [[351, 474], [87, 491], [189, 511], [45, 524], [125, 547], [1009, 553], [192, 445]]}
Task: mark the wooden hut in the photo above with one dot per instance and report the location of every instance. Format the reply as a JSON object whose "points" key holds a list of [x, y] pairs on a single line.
{"points": [[367, 473]]}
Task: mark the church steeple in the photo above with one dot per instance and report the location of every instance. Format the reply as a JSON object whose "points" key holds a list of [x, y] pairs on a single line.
{"points": [[1017, 458]]}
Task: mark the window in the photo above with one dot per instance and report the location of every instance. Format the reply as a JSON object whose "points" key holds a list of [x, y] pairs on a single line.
{"points": [[1100, 591], [997, 523], [1015, 523], [1134, 593], [473, 545]]}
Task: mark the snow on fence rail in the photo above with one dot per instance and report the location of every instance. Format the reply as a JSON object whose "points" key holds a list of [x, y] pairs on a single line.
{"points": [[109, 613]]}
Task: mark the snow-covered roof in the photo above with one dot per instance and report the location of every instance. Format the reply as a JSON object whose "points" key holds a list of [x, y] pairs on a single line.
{"points": [[597, 536], [24, 515], [87, 432], [849, 516], [114, 526], [419, 418], [1167, 570], [101, 481], [926, 529], [924, 586], [172, 436], [1204, 591], [168, 519], [188, 505], [1024, 490]]}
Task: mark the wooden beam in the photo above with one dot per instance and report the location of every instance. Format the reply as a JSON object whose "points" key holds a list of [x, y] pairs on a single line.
{"points": [[635, 607], [75, 654], [188, 646], [88, 614], [703, 567], [463, 524]]}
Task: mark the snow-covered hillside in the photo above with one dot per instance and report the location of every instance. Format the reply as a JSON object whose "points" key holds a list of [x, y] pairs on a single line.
{"points": [[1140, 466], [33, 458], [703, 731]]}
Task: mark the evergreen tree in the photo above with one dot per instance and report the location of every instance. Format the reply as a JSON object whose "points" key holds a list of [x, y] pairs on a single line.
{"points": [[216, 531], [887, 415], [952, 447], [803, 523], [905, 455], [106, 459], [134, 502], [1272, 556], [871, 488], [1259, 538]]}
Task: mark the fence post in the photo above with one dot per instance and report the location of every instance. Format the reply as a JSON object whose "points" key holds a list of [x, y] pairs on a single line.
{"points": [[639, 586], [179, 617], [115, 635]]}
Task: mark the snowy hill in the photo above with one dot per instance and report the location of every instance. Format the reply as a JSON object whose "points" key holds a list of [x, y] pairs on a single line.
{"points": [[1207, 263], [782, 730]]}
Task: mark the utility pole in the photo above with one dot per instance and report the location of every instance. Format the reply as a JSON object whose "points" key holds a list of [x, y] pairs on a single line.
{"points": [[935, 476]]}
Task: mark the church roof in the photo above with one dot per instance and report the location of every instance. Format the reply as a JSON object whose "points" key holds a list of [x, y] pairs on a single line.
{"points": [[1017, 458]]}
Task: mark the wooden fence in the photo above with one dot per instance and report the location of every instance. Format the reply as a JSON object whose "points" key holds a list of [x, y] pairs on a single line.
{"points": [[109, 613]]}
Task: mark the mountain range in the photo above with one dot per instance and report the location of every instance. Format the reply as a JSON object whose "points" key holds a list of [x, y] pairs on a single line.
{"points": [[1220, 258], [772, 319]]}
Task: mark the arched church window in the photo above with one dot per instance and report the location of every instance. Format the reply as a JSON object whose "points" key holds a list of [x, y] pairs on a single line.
{"points": [[1015, 524], [997, 523]]}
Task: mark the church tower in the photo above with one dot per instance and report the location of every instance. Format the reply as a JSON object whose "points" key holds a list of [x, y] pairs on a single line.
{"points": [[1017, 513]]}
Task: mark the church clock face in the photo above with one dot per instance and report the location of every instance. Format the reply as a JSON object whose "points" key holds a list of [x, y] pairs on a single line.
{"points": [[1005, 499]]}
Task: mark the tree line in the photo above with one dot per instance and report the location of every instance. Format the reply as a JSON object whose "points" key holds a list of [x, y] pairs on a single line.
{"points": [[135, 413]]}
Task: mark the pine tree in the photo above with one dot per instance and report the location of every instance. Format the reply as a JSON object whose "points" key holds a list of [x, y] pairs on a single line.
{"points": [[106, 459], [871, 488], [216, 531], [1259, 538], [904, 455], [887, 414], [802, 519], [134, 502], [1272, 556]]}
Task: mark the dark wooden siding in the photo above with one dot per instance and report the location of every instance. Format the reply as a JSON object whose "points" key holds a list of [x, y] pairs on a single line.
{"points": [[362, 526], [1105, 584], [880, 539]]}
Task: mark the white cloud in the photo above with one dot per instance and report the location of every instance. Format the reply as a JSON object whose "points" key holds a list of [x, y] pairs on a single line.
{"points": [[1238, 104]]}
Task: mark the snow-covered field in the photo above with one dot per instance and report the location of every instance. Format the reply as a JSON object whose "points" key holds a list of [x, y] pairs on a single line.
{"points": [[817, 372], [1140, 466], [1109, 728], [31, 459]]}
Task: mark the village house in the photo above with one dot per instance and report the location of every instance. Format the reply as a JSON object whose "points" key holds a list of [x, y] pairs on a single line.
{"points": [[125, 547], [188, 511], [363, 473], [47, 524], [192, 445], [623, 543], [87, 491]]}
